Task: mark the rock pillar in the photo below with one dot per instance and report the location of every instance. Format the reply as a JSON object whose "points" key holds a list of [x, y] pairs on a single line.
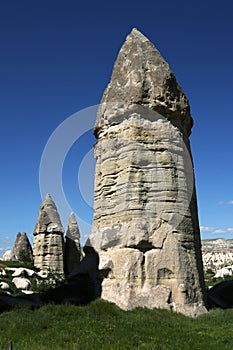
{"points": [[145, 227], [72, 245], [48, 238]]}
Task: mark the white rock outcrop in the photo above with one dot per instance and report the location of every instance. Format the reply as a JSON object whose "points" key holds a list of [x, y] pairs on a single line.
{"points": [[21, 283], [4, 286], [22, 271], [224, 272]]}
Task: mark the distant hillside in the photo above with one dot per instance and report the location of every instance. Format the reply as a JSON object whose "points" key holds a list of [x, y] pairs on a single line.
{"points": [[217, 253]]}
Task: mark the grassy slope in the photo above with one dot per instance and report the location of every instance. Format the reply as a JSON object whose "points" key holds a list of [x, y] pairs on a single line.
{"points": [[102, 325]]}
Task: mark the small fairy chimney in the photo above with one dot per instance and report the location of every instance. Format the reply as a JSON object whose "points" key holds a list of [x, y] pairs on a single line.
{"points": [[49, 238], [72, 245], [22, 248]]}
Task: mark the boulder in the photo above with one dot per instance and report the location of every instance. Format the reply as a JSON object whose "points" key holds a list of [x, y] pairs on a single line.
{"points": [[28, 292], [21, 283], [4, 285], [21, 271]]}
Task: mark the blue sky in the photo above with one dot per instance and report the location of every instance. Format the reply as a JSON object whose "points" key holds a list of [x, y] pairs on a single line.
{"points": [[56, 59]]}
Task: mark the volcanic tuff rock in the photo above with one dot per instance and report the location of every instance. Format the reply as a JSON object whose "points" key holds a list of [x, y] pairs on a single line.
{"points": [[4, 286], [145, 226], [21, 283], [141, 76], [22, 247], [48, 238], [15, 248], [72, 245], [22, 271]]}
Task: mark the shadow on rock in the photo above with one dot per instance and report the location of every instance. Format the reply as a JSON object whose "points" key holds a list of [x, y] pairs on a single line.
{"points": [[83, 285]]}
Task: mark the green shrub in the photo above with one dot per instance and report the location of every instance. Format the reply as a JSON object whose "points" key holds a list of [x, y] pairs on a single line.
{"points": [[24, 257], [18, 264], [53, 280]]}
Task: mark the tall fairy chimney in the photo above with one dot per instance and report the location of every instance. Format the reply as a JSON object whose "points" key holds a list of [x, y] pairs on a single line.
{"points": [[145, 227]]}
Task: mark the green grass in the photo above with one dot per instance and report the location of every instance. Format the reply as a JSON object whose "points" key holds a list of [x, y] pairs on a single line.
{"points": [[102, 325], [211, 281]]}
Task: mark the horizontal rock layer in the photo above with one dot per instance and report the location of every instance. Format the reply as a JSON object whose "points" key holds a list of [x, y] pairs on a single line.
{"points": [[48, 252], [143, 183]]}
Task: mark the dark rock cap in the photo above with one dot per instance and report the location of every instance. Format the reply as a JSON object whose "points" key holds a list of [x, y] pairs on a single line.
{"points": [[141, 76]]}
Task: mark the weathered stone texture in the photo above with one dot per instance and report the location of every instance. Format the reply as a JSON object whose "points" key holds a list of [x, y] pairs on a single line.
{"points": [[48, 238], [72, 245], [145, 226], [22, 247], [21, 283], [141, 76]]}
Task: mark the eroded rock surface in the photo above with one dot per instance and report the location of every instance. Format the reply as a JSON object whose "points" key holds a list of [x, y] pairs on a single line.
{"points": [[48, 249], [72, 245], [21, 283], [145, 226], [22, 248]]}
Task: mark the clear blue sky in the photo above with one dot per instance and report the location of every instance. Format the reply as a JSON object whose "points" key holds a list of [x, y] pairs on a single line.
{"points": [[56, 59]]}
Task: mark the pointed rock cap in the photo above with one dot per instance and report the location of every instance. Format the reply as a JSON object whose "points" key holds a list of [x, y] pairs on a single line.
{"points": [[48, 219], [142, 77], [22, 244], [73, 230]]}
